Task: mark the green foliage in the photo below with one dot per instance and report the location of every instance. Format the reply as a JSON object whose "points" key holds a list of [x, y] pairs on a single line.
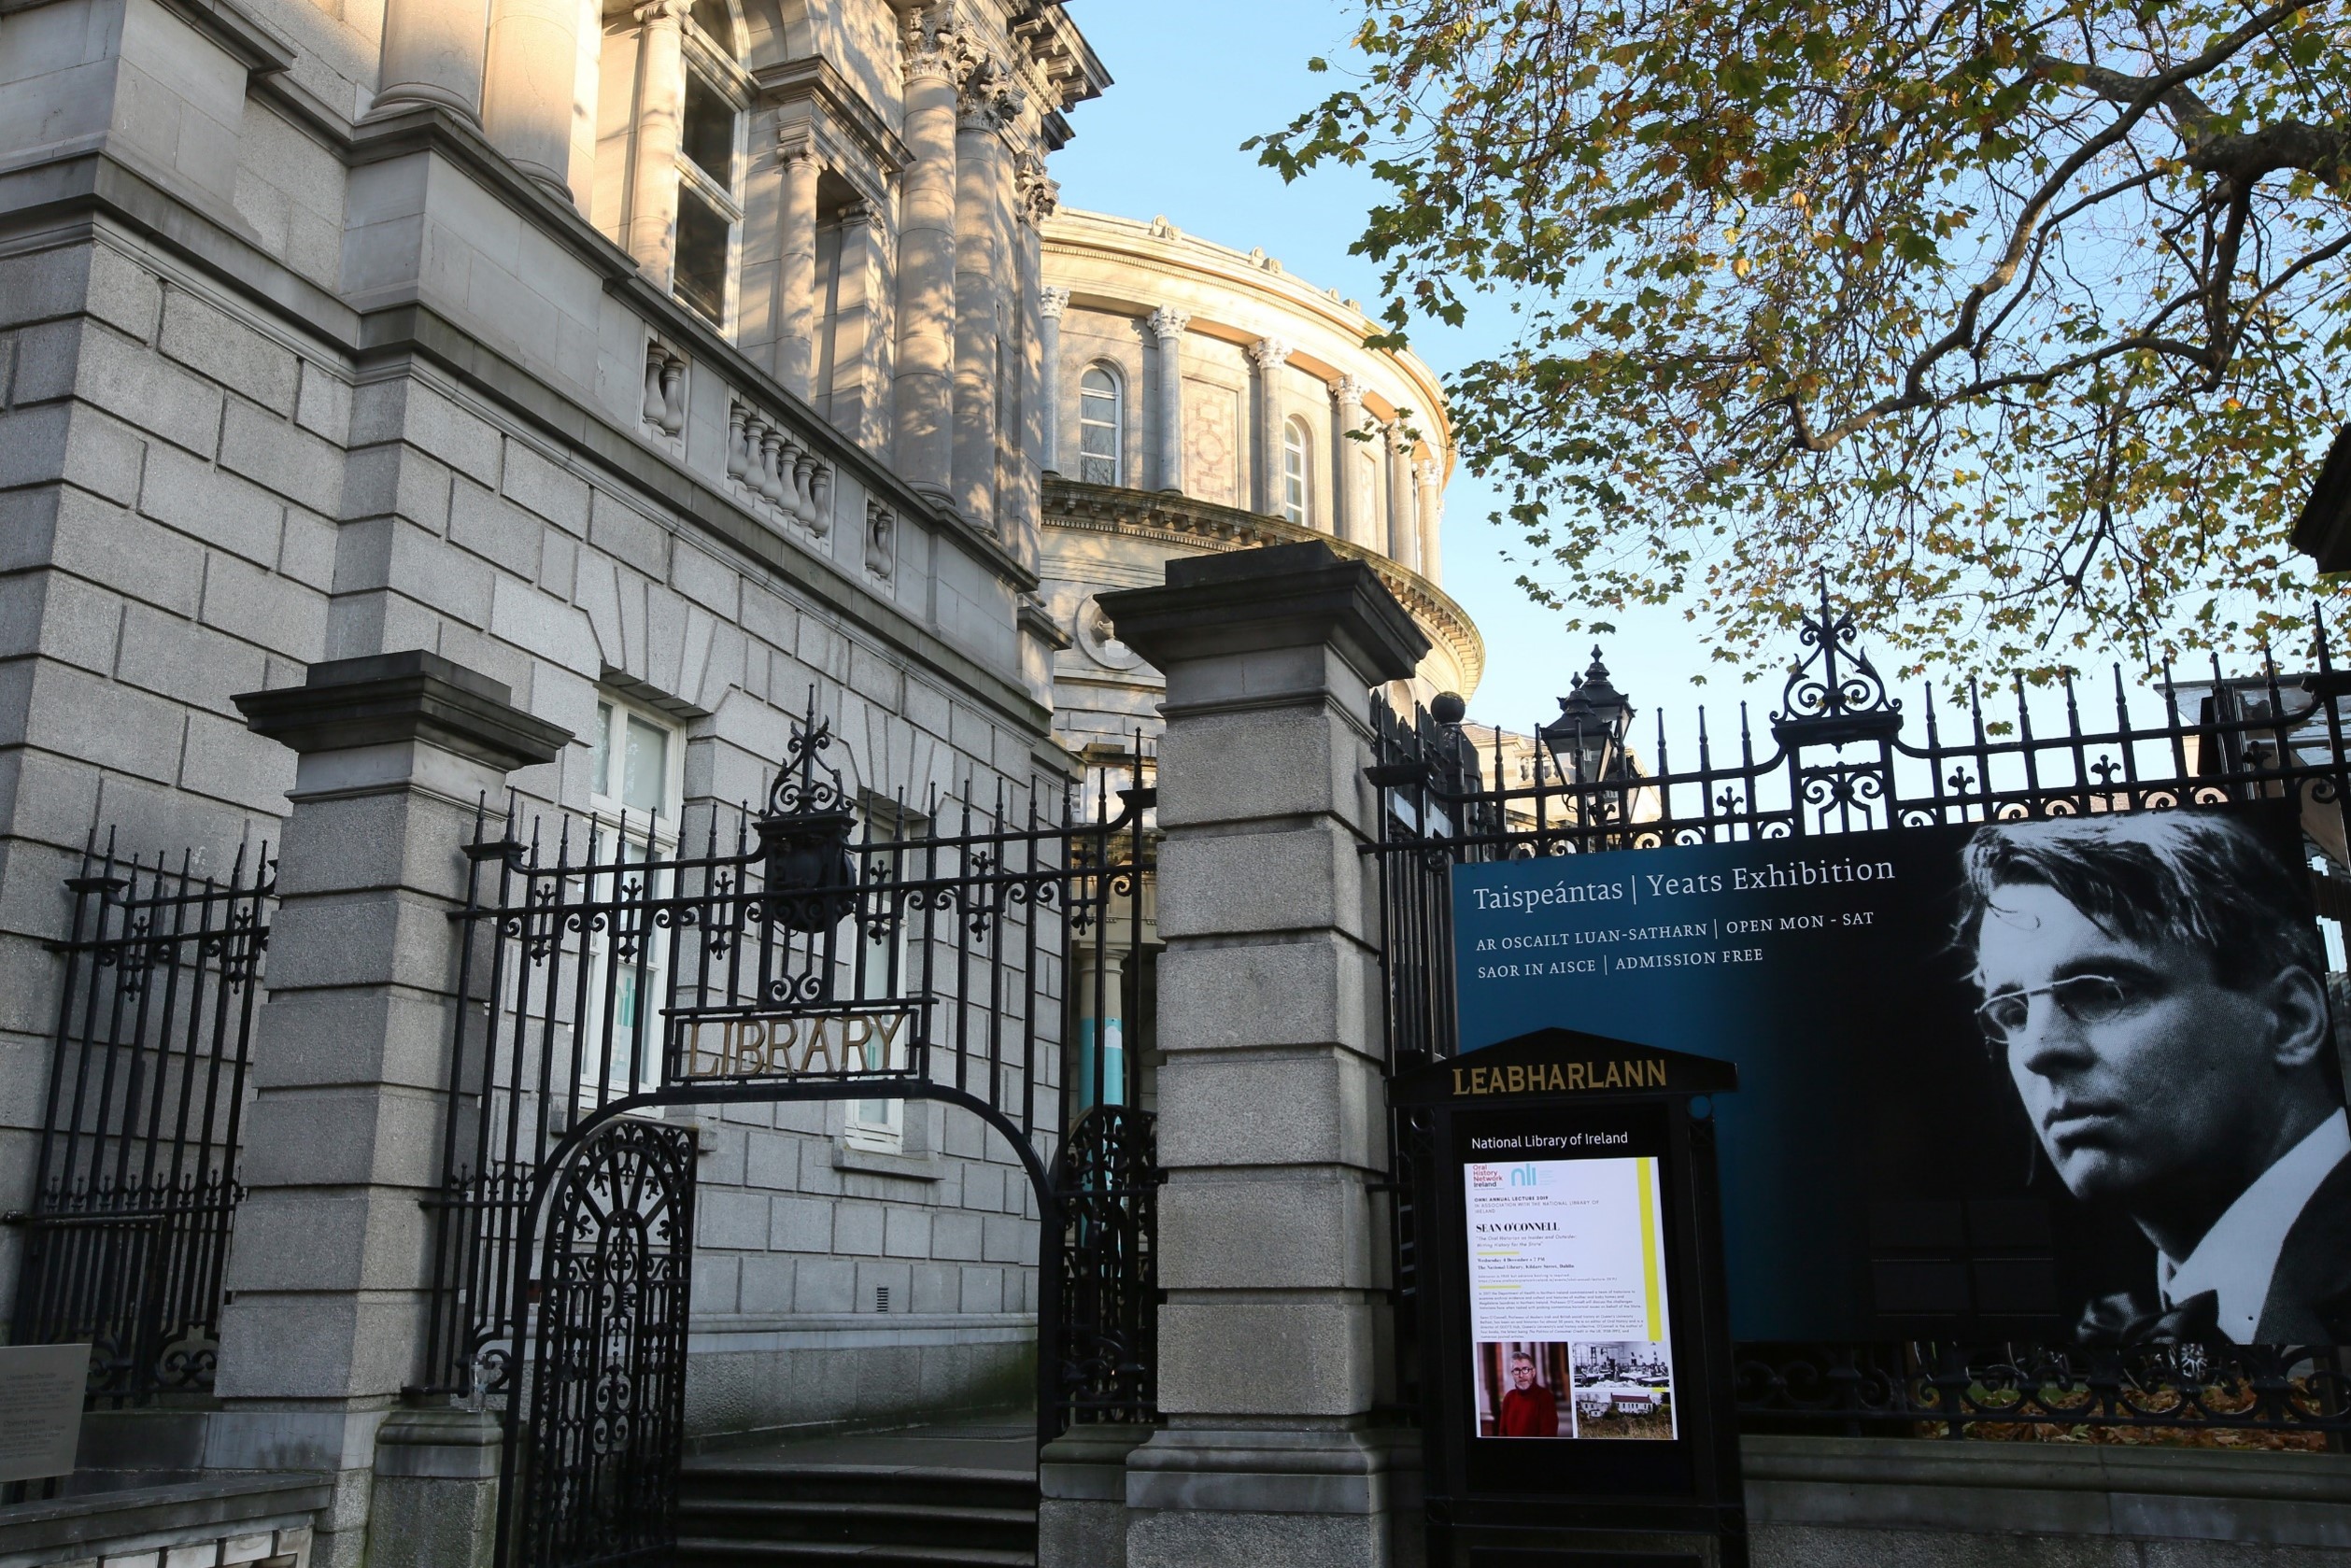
{"points": [[2027, 322]]}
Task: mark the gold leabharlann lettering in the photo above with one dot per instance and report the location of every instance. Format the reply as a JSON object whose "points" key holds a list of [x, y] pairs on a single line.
{"points": [[1647, 1072]]}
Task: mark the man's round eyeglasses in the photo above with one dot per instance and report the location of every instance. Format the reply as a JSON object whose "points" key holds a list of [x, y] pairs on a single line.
{"points": [[2083, 998]]}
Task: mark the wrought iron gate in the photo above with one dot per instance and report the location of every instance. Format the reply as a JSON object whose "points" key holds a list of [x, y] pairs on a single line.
{"points": [[136, 1187], [821, 948], [607, 1386], [1108, 1177], [1839, 760]]}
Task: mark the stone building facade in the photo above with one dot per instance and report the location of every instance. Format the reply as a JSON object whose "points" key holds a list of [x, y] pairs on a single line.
{"points": [[623, 380], [1207, 400]]}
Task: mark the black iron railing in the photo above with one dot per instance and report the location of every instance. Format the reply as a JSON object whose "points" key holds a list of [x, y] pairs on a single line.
{"points": [[135, 1189], [1839, 755], [1944, 1389]]}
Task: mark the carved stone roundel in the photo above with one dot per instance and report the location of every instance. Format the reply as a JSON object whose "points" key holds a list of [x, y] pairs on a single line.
{"points": [[1099, 638]]}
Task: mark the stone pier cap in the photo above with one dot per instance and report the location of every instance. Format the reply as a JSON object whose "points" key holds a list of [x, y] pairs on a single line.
{"points": [[379, 700], [1216, 613]]}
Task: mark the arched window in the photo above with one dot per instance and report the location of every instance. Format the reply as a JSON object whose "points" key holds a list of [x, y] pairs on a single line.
{"points": [[1100, 426], [1297, 474]]}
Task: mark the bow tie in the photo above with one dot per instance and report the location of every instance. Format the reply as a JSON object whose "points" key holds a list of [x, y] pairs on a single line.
{"points": [[2125, 1318]]}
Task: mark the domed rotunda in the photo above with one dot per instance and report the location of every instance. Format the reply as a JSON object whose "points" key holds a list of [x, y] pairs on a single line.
{"points": [[1200, 399]]}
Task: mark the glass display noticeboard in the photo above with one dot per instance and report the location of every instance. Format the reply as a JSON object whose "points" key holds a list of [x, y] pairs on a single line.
{"points": [[1570, 1324]]}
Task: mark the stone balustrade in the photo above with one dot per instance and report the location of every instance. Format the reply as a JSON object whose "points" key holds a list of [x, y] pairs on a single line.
{"points": [[766, 461]]}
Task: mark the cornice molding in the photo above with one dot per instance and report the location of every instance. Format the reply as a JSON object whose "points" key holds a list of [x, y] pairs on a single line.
{"points": [[1168, 519], [843, 111]]}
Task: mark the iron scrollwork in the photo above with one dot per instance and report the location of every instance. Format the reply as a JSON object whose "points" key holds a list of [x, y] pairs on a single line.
{"points": [[607, 1393], [804, 834], [1108, 1177]]}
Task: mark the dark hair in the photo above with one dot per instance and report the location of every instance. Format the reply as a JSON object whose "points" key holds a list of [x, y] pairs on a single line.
{"points": [[2198, 878]]}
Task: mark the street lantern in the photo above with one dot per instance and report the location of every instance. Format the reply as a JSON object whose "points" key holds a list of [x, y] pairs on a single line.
{"points": [[1587, 740]]}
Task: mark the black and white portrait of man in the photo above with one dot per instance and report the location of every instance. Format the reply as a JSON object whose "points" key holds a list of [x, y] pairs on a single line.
{"points": [[2154, 986]]}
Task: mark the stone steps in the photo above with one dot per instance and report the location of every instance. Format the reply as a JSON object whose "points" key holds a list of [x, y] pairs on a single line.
{"points": [[872, 1515]]}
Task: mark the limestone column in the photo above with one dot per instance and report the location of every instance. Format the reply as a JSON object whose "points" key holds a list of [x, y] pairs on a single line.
{"points": [[1101, 982], [660, 118], [796, 276], [531, 86], [1022, 444], [1351, 498], [1018, 279], [1051, 303], [1430, 504], [433, 51], [926, 263], [981, 166], [860, 391], [1167, 325], [1271, 1129], [327, 1274], [1404, 530], [1268, 355]]}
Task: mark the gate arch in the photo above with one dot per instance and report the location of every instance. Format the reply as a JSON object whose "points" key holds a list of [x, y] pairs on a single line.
{"points": [[826, 953]]}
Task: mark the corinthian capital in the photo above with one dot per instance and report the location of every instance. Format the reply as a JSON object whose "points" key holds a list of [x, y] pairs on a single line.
{"points": [[1051, 301], [1269, 354], [1168, 322], [936, 44], [1348, 390], [991, 100], [1040, 194]]}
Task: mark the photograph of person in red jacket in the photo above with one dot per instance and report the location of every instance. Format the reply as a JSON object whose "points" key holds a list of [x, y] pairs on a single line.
{"points": [[1521, 1391]]}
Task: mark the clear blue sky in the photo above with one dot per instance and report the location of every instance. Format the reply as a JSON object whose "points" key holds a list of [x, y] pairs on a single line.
{"points": [[1193, 80]]}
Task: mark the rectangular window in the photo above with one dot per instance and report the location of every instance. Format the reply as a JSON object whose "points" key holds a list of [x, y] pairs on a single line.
{"points": [[635, 778], [708, 134], [703, 236], [889, 965]]}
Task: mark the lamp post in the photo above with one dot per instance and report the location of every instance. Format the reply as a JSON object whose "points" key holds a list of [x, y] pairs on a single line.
{"points": [[1587, 740]]}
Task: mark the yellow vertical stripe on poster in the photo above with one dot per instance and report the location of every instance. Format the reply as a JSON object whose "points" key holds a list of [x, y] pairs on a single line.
{"points": [[1647, 1168]]}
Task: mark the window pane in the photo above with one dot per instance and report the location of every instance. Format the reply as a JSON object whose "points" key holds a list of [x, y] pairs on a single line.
{"points": [[712, 17], [1294, 496], [604, 748], [703, 232], [710, 130], [1097, 428], [624, 1009], [644, 768]]}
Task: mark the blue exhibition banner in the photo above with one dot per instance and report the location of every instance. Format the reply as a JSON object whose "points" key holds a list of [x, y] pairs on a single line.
{"points": [[1887, 1172]]}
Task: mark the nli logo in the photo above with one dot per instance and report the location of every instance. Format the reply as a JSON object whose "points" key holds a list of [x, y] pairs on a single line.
{"points": [[823, 1045]]}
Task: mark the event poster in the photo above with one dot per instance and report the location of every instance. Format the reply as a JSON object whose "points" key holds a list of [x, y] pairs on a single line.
{"points": [[1569, 1325], [2046, 1078]]}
